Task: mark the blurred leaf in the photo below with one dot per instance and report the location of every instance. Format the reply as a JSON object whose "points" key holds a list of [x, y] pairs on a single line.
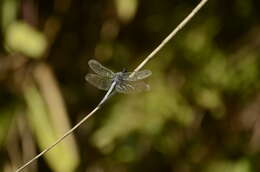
{"points": [[242, 76], [62, 157], [243, 8], [21, 37], [209, 71], [126, 9], [229, 166], [6, 116], [209, 99], [9, 12]]}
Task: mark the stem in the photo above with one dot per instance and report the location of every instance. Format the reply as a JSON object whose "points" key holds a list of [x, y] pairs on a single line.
{"points": [[59, 140], [108, 94], [171, 35]]}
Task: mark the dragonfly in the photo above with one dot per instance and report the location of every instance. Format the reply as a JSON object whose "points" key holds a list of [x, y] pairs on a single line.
{"points": [[121, 82]]}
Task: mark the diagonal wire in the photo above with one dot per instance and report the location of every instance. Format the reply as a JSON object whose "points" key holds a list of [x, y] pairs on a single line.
{"points": [[171, 35]]}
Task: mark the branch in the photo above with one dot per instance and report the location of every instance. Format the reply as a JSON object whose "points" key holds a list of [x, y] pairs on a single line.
{"points": [[59, 140], [149, 57], [171, 35]]}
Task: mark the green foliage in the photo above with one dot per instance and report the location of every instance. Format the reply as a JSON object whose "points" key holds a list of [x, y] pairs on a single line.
{"points": [[22, 38], [63, 157], [202, 113]]}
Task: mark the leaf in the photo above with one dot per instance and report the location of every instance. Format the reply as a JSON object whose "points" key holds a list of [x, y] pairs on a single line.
{"points": [[61, 158], [22, 38], [126, 9]]}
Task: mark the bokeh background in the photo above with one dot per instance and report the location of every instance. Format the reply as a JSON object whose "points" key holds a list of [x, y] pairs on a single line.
{"points": [[201, 115]]}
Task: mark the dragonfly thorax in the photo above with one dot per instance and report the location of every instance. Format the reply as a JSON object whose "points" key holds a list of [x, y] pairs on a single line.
{"points": [[118, 77]]}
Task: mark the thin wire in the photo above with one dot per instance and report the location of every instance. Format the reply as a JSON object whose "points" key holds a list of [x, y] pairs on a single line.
{"points": [[108, 94], [59, 140], [149, 57], [170, 36]]}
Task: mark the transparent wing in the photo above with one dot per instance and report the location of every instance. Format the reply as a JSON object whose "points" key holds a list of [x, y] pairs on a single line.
{"points": [[99, 69], [137, 76], [100, 82], [132, 87]]}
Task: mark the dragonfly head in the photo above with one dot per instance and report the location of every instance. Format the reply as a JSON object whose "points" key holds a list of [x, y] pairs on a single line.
{"points": [[124, 70]]}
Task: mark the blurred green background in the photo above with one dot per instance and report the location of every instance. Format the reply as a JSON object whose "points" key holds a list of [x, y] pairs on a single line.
{"points": [[201, 115]]}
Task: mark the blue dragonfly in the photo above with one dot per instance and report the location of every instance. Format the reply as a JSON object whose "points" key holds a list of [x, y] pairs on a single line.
{"points": [[122, 82]]}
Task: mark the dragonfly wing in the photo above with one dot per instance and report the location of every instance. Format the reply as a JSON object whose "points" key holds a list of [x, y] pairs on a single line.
{"points": [[99, 69], [137, 75], [100, 82], [132, 87]]}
